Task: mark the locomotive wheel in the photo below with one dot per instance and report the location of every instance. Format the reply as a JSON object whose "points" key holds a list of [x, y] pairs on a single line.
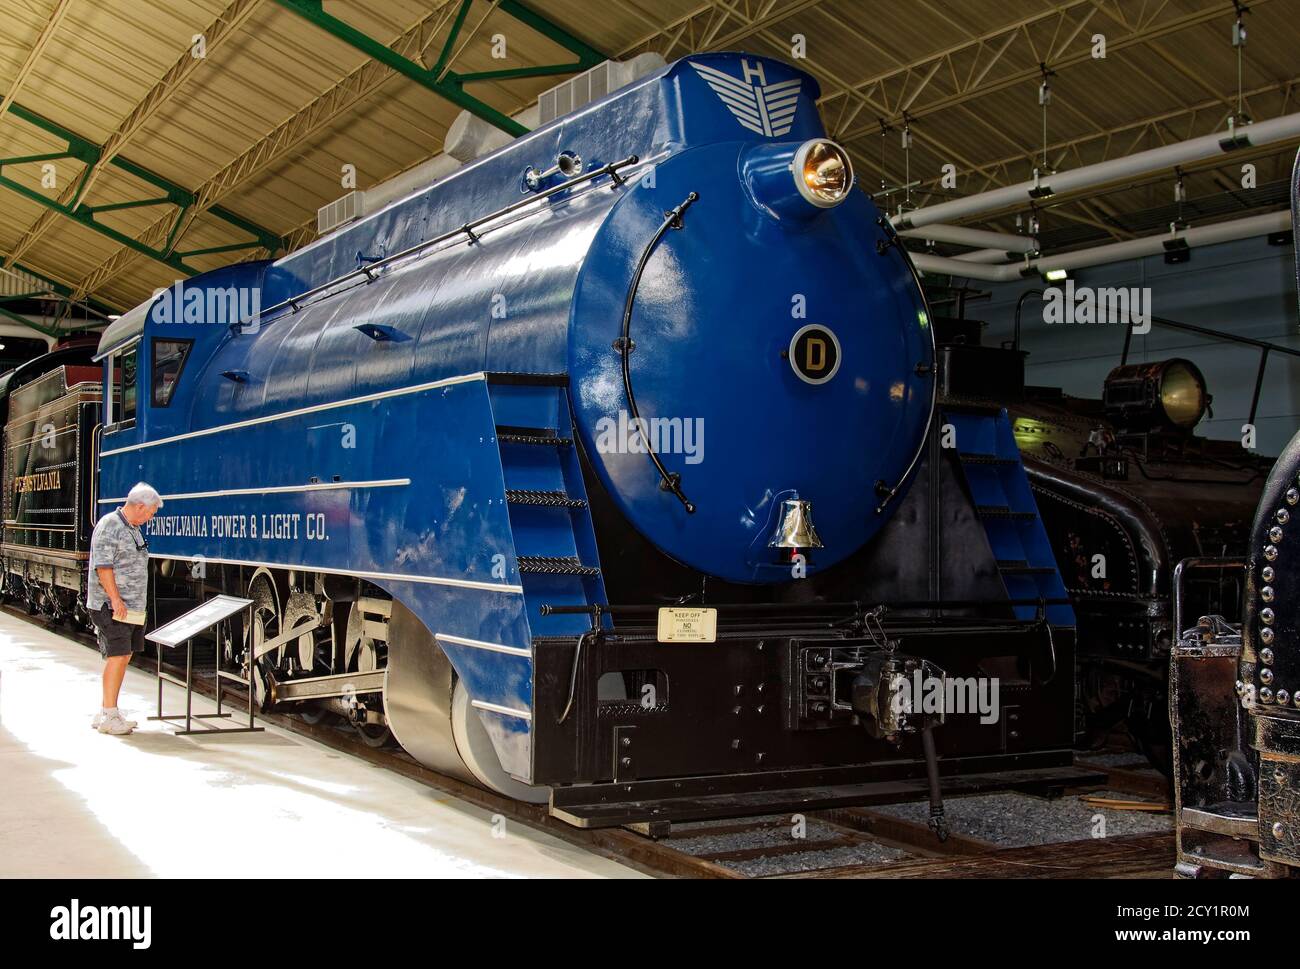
{"points": [[364, 654], [312, 713], [265, 626], [311, 654], [374, 734]]}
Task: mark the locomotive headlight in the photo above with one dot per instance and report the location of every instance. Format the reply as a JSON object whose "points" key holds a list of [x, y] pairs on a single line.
{"points": [[796, 181], [824, 172], [1182, 393], [1149, 396]]}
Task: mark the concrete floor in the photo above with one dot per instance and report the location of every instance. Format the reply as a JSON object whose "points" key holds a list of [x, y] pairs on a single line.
{"points": [[77, 803]]}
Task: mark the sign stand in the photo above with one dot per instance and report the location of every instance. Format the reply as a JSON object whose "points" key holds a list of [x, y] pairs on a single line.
{"points": [[183, 630]]}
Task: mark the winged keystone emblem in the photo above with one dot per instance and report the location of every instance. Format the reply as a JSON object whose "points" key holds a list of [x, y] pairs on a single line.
{"points": [[766, 109]]}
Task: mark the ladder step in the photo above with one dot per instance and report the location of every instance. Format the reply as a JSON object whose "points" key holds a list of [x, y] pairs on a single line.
{"points": [[971, 457], [554, 565], [550, 499], [507, 434], [527, 379], [1002, 511]]}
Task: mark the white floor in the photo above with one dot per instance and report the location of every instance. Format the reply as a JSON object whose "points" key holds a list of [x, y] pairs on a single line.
{"points": [[76, 803]]}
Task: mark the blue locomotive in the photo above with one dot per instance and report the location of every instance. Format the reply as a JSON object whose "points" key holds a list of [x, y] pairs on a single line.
{"points": [[606, 469]]}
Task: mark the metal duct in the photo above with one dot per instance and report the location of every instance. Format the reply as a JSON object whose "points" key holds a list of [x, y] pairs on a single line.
{"points": [[1256, 225], [961, 235], [985, 256], [1260, 133]]}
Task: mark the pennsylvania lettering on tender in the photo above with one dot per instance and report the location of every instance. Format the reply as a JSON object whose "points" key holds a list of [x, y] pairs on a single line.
{"points": [[41, 481]]}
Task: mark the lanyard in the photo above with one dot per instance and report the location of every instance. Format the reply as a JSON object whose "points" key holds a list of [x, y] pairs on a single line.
{"points": [[140, 542]]}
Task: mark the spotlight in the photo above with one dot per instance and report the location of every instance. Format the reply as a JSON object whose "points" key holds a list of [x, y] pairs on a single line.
{"points": [[1167, 394]]}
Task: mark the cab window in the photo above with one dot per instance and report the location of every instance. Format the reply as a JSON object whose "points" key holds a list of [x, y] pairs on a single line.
{"points": [[169, 358], [119, 408], [127, 362]]}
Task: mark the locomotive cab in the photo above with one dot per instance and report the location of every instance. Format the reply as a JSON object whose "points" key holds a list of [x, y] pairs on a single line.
{"points": [[153, 353]]}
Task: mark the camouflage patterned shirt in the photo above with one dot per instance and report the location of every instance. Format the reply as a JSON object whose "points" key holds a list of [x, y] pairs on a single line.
{"points": [[119, 546]]}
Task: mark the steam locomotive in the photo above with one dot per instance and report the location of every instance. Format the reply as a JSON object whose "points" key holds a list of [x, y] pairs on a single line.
{"points": [[1126, 489], [616, 469]]}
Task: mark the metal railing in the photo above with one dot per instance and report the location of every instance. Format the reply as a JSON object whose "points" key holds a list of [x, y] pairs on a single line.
{"points": [[1265, 347], [467, 230]]}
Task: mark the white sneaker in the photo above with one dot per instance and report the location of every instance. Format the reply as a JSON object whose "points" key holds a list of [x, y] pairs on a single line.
{"points": [[99, 718], [115, 725]]}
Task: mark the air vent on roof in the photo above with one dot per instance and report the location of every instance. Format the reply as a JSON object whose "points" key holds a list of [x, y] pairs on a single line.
{"points": [[594, 84], [339, 211]]}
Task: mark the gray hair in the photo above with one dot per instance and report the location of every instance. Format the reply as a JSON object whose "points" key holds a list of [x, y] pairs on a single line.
{"points": [[143, 494]]}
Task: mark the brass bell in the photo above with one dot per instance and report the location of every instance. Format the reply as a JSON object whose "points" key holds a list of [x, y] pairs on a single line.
{"points": [[795, 527]]}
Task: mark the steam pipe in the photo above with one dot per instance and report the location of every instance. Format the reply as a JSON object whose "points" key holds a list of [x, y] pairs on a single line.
{"points": [[1148, 545]]}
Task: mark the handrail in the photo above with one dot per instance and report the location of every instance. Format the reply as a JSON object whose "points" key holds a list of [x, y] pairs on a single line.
{"points": [[467, 229]]}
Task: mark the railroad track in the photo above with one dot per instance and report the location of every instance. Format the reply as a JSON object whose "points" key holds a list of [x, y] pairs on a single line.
{"points": [[838, 843]]}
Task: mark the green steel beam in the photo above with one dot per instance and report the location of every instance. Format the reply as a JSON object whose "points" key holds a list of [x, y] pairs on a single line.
{"points": [[88, 153], [450, 42], [134, 204], [86, 218], [210, 250], [312, 12], [451, 86], [513, 72], [31, 159]]}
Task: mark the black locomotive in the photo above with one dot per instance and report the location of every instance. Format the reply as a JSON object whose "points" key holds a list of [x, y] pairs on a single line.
{"points": [[1126, 490], [51, 407]]}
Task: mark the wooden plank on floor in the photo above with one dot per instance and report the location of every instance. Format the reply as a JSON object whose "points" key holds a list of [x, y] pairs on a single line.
{"points": [[1133, 856], [901, 831]]}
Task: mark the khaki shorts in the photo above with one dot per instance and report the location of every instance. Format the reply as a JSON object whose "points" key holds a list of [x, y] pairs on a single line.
{"points": [[116, 638]]}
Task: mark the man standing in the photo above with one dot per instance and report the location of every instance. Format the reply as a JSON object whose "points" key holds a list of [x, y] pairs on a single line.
{"points": [[119, 581]]}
